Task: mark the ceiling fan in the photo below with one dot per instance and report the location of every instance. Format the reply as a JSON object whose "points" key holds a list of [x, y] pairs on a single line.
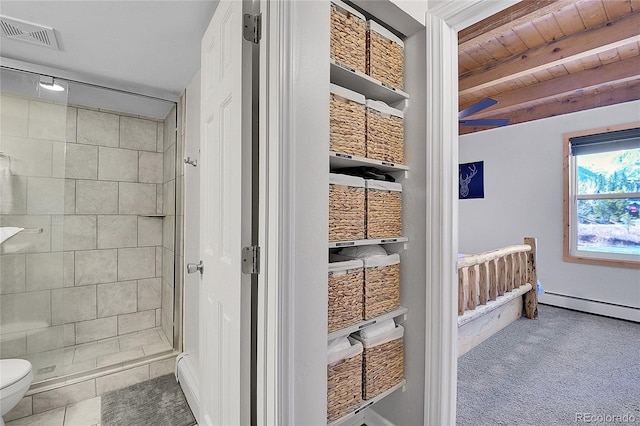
{"points": [[477, 107]]}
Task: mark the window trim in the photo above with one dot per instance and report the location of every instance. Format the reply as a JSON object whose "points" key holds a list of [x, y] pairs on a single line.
{"points": [[568, 212]]}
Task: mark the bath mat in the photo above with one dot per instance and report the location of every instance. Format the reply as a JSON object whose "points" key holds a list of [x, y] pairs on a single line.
{"points": [[158, 402]]}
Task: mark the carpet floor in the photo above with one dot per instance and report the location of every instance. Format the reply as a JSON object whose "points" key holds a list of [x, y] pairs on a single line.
{"points": [[157, 402], [565, 368]]}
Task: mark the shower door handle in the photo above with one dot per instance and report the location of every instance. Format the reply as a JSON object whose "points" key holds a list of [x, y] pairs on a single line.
{"points": [[192, 268]]}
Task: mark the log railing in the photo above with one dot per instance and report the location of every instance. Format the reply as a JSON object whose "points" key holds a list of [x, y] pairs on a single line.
{"points": [[486, 277]]}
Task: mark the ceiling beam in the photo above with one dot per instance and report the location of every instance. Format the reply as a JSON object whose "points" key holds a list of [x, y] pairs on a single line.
{"points": [[518, 14], [572, 103], [616, 72], [609, 36]]}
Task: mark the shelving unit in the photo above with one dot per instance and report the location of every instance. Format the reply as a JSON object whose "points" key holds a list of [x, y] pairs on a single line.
{"points": [[363, 84], [338, 161], [368, 403], [398, 313], [353, 243]]}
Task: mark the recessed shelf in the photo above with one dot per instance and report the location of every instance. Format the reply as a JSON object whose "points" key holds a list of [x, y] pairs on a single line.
{"points": [[365, 85], [338, 160], [366, 323], [340, 244], [368, 403]]}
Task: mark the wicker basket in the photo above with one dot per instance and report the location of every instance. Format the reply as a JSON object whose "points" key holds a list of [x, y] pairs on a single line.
{"points": [[344, 381], [346, 208], [348, 37], [385, 55], [382, 362], [381, 285], [385, 133], [345, 294], [384, 209], [347, 118]]}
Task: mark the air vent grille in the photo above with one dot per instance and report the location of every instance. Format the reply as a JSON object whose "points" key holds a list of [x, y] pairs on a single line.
{"points": [[16, 29]]}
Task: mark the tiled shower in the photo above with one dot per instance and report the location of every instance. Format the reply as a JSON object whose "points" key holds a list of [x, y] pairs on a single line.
{"points": [[89, 283]]}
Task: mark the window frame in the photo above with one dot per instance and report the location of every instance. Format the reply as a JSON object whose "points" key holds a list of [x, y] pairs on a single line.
{"points": [[570, 214]]}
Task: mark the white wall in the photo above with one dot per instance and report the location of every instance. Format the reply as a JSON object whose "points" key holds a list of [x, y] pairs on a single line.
{"points": [[523, 197]]}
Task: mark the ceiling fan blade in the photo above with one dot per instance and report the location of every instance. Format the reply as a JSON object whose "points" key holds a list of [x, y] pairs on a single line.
{"points": [[487, 122], [478, 106]]}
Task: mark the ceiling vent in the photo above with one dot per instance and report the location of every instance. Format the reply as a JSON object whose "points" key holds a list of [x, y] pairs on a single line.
{"points": [[15, 29]]}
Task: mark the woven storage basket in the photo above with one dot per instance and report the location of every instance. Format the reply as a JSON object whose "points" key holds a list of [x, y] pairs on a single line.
{"points": [[344, 381], [384, 209], [385, 55], [382, 362], [346, 208], [347, 122], [346, 281], [348, 37], [381, 285], [385, 132]]}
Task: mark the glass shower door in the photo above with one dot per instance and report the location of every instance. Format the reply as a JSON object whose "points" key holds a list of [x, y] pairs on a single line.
{"points": [[34, 269]]}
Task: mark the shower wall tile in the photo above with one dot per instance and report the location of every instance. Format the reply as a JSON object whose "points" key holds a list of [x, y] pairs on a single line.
{"points": [[137, 133], [44, 271], [95, 197], [98, 128], [119, 357], [13, 195], [117, 231], [25, 311], [58, 154], [149, 231], [118, 164], [169, 198], [69, 334], [69, 272], [45, 195], [159, 255], [13, 345], [81, 161], [69, 196], [45, 339], [47, 121], [137, 198], [96, 267], [149, 293], [29, 157], [136, 263], [12, 273], [27, 242], [92, 350], [150, 167], [128, 323], [117, 298], [170, 126], [160, 138], [72, 124], [101, 328], [169, 167], [14, 116], [159, 201], [73, 304], [168, 232], [78, 232], [168, 262], [158, 317], [141, 338]]}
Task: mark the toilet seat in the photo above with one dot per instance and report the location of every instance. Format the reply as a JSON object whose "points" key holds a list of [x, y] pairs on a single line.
{"points": [[13, 371]]}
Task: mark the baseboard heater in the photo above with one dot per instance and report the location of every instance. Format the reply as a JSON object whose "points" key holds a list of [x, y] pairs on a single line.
{"points": [[629, 313], [188, 379]]}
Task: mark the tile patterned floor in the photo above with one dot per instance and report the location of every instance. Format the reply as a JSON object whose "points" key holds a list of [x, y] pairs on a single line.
{"points": [[83, 413], [107, 352]]}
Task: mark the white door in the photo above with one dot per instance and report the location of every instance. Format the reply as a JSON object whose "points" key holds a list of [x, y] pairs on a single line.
{"points": [[225, 218]]}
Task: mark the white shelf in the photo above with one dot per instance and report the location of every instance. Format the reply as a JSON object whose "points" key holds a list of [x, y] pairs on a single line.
{"points": [[366, 323], [339, 160], [368, 403], [352, 243], [365, 85]]}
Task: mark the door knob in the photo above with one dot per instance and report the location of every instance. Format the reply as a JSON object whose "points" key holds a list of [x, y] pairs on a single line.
{"points": [[192, 268]]}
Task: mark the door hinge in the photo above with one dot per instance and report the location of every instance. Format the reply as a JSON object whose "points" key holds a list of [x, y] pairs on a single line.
{"points": [[251, 260], [252, 27]]}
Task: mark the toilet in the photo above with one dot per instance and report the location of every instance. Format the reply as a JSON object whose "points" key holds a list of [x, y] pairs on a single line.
{"points": [[15, 378]]}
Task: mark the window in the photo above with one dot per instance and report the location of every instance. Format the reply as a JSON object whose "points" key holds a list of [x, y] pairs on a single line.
{"points": [[602, 196]]}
